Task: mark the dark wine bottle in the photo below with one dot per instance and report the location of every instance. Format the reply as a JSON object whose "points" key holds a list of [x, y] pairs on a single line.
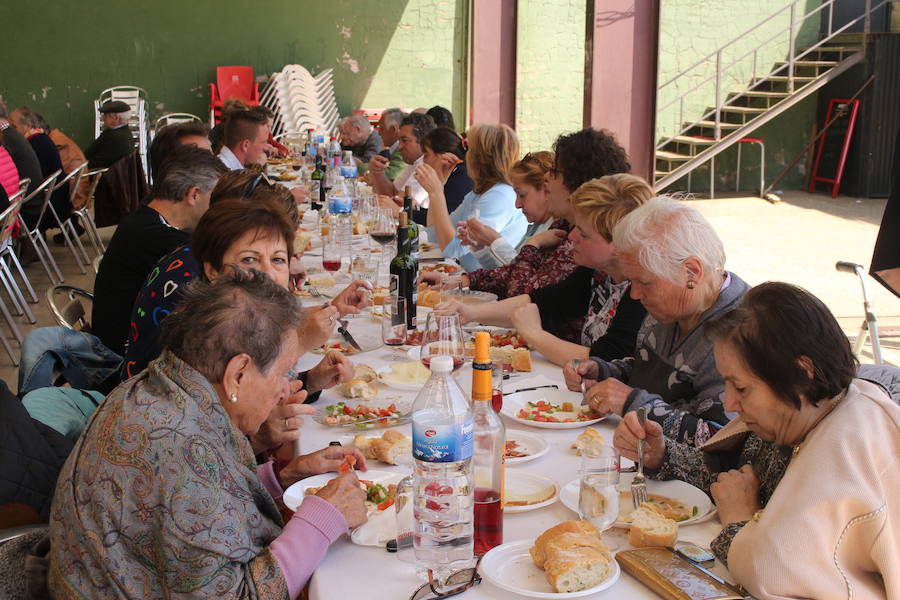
{"points": [[405, 269], [317, 175], [413, 227]]}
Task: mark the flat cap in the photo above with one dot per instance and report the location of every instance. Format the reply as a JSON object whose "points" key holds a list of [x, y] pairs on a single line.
{"points": [[115, 106]]}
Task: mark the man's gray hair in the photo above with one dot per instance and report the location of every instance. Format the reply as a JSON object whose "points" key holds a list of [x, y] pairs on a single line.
{"points": [[124, 117], [393, 117], [185, 167], [360, 121], [241, 312], [663, 233]]}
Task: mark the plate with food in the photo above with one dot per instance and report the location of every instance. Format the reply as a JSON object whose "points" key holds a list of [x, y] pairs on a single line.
{"points": [[442, 267], [567, 561], [365, 333], [362, 415], [522, 446], [549, 409], [676, 500], [379, 485], [523, 492], [409, 375]]}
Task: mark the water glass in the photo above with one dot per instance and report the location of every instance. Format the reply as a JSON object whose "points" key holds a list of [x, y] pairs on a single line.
{"points": [[363, 267], [598, 497], [393, 321]]}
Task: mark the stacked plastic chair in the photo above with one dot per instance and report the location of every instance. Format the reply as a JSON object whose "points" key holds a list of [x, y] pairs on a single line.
{"points": [[301, 101], [136, 98], [233, 82]]}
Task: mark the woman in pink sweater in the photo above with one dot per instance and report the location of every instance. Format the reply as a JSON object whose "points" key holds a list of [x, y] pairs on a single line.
{"points": [[807, 479]]}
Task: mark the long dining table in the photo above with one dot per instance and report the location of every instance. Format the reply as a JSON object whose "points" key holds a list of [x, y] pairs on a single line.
{"points": [[353, 571]]}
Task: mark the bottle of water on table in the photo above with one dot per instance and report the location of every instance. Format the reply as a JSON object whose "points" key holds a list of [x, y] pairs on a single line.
{"points": [[443, 500]]}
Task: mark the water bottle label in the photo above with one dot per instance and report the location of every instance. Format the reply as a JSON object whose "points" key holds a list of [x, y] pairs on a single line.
{"points": [[348, 172], [442, 443]]}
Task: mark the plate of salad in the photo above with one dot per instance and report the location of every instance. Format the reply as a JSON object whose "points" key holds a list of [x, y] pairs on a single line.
{"points": [[549, 409], [362, 415]]}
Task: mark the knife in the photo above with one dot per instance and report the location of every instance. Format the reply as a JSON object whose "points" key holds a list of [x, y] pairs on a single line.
{"points": [[344, 332], [530, 389]]}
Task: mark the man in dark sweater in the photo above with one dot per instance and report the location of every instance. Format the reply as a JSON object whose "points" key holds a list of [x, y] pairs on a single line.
{"points": [[180, 197], [115, 141], [27, 163]]}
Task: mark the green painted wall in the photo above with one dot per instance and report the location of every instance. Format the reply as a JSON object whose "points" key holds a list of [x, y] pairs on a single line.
{"points": [[400, 52], [549, 70], [692, 29]]}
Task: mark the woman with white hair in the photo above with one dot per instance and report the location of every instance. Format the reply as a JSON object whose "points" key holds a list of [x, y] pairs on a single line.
{"points": [[676, 265]]}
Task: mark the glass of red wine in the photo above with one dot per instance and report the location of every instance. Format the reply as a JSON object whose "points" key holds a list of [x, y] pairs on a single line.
{"points": [[393, 321], [332, 253], [383, 231], [443, 335]]}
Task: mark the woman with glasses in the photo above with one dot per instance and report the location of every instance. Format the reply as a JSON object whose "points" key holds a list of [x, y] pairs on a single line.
{"points": [[162, 497], [492, 151]]}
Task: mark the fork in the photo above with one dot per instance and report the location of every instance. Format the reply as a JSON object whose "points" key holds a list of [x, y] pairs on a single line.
{"points": [[639, 483], [315, 291]]}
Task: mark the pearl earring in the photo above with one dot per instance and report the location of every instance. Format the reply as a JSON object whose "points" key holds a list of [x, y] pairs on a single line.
{"points": [[690, 284], [233, 398]]}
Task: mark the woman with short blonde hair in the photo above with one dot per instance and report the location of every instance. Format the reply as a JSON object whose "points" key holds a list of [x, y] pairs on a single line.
{"points": [[493, 149]]}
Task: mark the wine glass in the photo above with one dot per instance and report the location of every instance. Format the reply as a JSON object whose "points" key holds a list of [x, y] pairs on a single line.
{"points": [[598, 497], [332, 253], [443, 335], [382, 230]]}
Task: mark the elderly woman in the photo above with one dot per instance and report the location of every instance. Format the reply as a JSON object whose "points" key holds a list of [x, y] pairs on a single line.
{"points": [[492, 151], [807, 479], [676, 265], [610, 318], [161, 496]]}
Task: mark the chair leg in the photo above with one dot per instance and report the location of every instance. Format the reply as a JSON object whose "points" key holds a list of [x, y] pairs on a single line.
{"points": [[10, 283], [46, 258], [16, 305], [13, 356], [22, 276], [69, 226], [88, 223], [68, 240]]}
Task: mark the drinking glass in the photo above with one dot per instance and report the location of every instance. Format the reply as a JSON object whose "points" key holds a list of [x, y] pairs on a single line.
{"points": [[443, 335], [332, 253], [393, 321], [382, 230], [363, 267], [598, 497]]}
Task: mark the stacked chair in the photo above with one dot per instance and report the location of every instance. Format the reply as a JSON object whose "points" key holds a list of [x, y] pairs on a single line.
{"points": [[173, 119], [136, 98], [301, 101]]}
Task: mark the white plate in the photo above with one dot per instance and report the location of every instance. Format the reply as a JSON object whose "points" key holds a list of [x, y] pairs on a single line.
{"points": [[524, 483], [409, 387], [295, 494], [515, 402], [679, 490], [510, 567], [532, 443]]}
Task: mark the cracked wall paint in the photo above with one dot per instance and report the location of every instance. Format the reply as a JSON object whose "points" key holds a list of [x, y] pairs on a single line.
{"points": [[401, 52], [549, 71]]}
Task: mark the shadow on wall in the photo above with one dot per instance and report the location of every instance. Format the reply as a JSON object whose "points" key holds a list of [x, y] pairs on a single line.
{"points": [[65, 54]]}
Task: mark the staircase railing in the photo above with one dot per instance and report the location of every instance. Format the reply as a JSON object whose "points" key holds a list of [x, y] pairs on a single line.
{"points": [[794, 25]]}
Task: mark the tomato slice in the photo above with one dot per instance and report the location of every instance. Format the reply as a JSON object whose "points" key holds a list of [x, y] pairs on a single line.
{"points": [[386, 504], [347, 465]]}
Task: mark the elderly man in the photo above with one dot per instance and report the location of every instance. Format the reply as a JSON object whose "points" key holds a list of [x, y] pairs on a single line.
{"points": [[115, 141], [389, 129], [413, 129], [180, 196], [358, 136], [246, 134]]}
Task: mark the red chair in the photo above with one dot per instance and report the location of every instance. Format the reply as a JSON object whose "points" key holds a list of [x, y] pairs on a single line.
{"points": [[233, 82]]}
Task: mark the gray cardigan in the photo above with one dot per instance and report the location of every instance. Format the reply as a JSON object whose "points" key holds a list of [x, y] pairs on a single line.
{"points": [[676, 379]]}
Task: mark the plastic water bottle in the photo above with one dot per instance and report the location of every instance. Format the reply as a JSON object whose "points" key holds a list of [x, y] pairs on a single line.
{"points": [[349, 171], [334, 153], [443, 499]]}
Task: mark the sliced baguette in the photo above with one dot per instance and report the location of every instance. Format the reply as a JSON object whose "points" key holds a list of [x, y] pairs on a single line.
{"points": [[390, 452], [650, 528], [538, 551], [364, 445], [573, 570]]}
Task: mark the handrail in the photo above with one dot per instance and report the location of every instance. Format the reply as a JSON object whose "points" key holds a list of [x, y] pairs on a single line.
{"points": [[789, 64]]}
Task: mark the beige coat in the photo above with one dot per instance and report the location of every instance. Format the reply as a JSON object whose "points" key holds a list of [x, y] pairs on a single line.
{"points": [[832, 528]]}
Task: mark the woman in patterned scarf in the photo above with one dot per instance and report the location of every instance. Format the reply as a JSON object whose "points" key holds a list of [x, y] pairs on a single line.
{"points": [[162, 497], [676, 265]]}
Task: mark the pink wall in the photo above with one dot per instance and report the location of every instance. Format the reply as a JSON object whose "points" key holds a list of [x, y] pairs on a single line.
{"points": [[493, 52]]}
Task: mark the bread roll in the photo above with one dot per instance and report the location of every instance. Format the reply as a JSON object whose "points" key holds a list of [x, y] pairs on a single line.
{"points": [[429, 298], [357, 388], [390, 452], [538, 551], [364, 445], [650, 528], [576, 570], [521, 359], [365, 373], [589, 441]]}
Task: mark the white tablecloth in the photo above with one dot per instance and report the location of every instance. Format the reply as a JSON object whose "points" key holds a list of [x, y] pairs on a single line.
{"points": [[351, 571]]}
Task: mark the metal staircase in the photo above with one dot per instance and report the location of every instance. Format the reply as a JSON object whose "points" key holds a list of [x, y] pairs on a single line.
{"points": [[737, 114]]}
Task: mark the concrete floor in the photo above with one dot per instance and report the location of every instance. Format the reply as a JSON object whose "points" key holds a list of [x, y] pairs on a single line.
{"points": [[798, 240]]}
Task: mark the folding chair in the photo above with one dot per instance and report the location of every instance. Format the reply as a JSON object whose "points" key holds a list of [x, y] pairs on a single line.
{"points": [[70, 236], [66, 305], [7, 223], [83, 214], [36, 237]]}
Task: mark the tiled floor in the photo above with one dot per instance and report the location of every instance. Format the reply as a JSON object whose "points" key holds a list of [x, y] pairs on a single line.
{"points": [[798, 240]]}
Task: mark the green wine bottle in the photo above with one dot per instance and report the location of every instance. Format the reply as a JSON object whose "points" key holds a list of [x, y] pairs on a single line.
{"points": [[405, 269]]}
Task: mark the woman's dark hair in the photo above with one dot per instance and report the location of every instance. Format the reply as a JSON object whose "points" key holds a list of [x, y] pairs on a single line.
{"points": [[443, 140], [442, 117], [240, 313], [776, 327], [230, 218], [588, 154]]}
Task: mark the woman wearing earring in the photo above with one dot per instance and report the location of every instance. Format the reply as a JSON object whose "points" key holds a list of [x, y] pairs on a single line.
{"points": [[676, 265]]}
